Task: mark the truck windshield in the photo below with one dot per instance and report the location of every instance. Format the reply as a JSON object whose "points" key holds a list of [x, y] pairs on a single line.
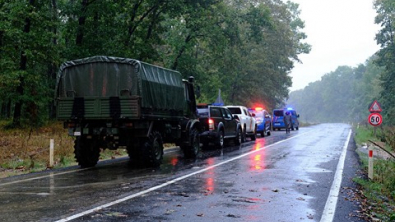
{"points": [[278, 112], [234, 110]]}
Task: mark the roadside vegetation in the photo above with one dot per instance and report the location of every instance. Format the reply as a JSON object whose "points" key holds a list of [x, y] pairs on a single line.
{"points": [[379, 192], [27, 150]]}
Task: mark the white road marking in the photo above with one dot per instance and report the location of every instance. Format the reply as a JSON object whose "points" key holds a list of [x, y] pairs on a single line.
{"points": [[330, 206], [75, 216]]}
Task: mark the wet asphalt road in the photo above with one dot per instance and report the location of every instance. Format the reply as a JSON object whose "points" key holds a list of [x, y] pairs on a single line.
{"points": [[276, 178]]}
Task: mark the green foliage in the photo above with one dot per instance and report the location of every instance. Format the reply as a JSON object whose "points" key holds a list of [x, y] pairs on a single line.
{"points": [[244, 48], [386, 56], [340, 96], [379, 191]]}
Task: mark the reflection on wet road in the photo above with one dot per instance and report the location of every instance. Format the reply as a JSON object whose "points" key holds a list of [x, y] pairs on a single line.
{"points": [[276, 178]]}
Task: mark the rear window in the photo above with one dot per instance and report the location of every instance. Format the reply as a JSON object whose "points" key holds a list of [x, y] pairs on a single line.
{"points": [[203, 112], [278, 112], [257, 114], [235, 110], [215, 112]]}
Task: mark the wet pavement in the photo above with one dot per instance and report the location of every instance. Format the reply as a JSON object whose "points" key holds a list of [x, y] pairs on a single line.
{"points": [[276, 178]]}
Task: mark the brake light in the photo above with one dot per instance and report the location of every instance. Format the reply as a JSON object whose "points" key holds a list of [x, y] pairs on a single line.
{"points": [[210, 124]]}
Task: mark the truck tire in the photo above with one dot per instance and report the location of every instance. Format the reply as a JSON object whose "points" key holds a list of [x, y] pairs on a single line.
{"points": [[243, 135], [220, 140], [87, 152], [238, 137], [193, 150], [152, 149]]}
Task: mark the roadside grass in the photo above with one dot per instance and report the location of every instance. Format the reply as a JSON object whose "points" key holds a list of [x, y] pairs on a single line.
{"points": [[27, 150], [380, 191]]}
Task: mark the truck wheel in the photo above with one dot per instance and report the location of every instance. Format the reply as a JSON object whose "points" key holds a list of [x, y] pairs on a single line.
{"points": [[264, 131], [238, 137], [220, 140], [243, 135], [152, 149], [192, 150], [87, 152]]}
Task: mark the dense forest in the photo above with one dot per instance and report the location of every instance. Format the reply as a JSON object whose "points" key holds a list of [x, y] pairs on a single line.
{"points": [[245, 48], [346, 94]]}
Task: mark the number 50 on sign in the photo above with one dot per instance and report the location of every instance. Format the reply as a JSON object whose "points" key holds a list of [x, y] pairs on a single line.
{"points": [[375, 119]]}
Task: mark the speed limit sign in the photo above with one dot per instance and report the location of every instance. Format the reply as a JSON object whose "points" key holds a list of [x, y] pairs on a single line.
{"points": [[375, 119]]}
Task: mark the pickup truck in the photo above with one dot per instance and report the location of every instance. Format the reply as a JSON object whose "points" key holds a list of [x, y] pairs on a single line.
{"points": [[218, 124], [247, 121]]}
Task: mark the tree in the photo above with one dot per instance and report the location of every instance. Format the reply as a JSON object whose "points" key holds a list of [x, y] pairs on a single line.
{"points": [[386, 56]]}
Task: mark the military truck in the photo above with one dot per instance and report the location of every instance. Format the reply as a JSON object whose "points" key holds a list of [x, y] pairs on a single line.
{"points": [[111, 102]]}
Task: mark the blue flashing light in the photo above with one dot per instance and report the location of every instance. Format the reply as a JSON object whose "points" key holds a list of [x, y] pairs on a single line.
{"points": [[289, 108]]}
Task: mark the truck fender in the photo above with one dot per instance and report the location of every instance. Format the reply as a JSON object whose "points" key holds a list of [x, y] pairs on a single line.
{"points": [[220, 126], [239, 126], [194, 123]]}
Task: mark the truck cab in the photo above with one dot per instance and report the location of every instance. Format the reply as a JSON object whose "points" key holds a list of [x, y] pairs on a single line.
{"points": [[247, 121]]}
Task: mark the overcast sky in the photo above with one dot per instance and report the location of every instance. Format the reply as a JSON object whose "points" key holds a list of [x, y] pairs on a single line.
{"points": [[341, 32]]}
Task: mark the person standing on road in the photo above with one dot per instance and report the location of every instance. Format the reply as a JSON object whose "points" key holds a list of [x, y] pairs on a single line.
{"points": [[287, 122]]}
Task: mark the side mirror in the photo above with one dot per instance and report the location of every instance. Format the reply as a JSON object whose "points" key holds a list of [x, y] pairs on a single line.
{"points": [[253, 114], [297, 115], [236, 117]]}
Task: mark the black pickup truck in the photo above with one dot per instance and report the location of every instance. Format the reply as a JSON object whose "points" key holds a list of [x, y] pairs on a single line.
{"points": [[218, 124]]}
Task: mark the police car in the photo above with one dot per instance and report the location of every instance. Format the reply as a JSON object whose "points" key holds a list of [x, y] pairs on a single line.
{"points": [[278, 119], [263, 120]]}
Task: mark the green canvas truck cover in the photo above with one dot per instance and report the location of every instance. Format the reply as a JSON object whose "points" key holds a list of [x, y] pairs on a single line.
{"points": [[103, 76]]}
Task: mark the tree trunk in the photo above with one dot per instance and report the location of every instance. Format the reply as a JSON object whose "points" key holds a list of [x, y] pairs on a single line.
{"points": [[81, 23], [22, 67]]}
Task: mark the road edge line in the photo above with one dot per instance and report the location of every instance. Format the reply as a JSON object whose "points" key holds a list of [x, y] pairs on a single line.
{"points": [[330, 206]]}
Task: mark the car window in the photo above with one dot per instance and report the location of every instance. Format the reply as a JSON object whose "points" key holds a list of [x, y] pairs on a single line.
{"points": [[202, 112], [215, 112], [227, 113], [234, 110], [258, 114], [246, 112], [278, 113]]}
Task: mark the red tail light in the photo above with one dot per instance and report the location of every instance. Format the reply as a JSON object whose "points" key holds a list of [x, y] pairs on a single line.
{"points": [[210, 124]]}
